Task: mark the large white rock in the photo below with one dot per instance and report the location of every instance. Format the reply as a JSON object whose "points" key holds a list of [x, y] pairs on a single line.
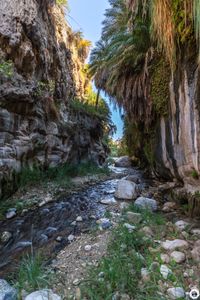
{"points": [[126, 190], [6, 291], [123, 162], [176, 293], [146, 203], [175, 244], [43, 295]]}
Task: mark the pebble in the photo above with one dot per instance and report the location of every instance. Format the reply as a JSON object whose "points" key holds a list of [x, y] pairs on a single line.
{"points": [[168, 207], [73, 223], [71, 238], [147, 231], [76, 282], [88, 248], [195, 231], [104, 223], [79, 219], [130, 227], [176, 293], [145, 274], [108, 201], [11, 213], [6, 236], [178, 256], [165, 271], [59, 239]]}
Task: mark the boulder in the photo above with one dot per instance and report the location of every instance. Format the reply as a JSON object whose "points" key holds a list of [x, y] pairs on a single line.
{"points": [[43, 295], [146, 203], [126, 190], [6, 291], [123, 162]]}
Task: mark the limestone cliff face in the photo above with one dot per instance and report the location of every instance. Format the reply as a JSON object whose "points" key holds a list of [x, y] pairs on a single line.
{"points": [[40, 73], [177, 150]]}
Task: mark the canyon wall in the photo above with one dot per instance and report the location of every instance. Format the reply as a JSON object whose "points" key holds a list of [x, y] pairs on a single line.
{"points": [[177, 142], [40, 74]]}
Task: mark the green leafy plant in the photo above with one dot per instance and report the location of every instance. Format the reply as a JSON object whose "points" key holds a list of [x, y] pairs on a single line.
{"points": [[6, 68]]}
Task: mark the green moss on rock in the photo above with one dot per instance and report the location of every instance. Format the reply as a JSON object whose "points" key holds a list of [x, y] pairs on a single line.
{"points": [[160, 87]]}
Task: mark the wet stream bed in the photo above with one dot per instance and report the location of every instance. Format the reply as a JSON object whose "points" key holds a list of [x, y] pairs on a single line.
{"points": [[46, 229]]}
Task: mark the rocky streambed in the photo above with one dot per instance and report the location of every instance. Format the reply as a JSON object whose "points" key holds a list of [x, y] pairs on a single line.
{"points": [[52, 226], [73, 233]]}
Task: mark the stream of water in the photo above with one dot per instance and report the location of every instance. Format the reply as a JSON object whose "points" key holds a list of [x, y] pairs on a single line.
{"points": [[39, 229]]}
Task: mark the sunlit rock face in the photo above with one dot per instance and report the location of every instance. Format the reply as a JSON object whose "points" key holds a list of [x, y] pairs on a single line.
{"points": [[178, 135], [39, 74]]}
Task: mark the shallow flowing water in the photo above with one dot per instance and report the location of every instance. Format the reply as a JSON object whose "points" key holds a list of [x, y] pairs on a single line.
{"points": [[39, 228]]}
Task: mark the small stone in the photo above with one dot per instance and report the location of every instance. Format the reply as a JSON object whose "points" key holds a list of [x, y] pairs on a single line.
{"points": [[50, 231], [154, 266], [104, 223], [165, 271], [76, 282], [175, 244], [73, 223], [108, 201], [165, 258], [43, 295], [178, 256], [88, 248], [145, 274], [176, 293], [168, 207], [134, 217], [147, 231], [59, 239], [130, 227], [181, 225], [6, 236], [71, 238], [101, 274], [6, 291], [124, 205], [79, 219], [196, 231], [146, 203], [11, 213]]}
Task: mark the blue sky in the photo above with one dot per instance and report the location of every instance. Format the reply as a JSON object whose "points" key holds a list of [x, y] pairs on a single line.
{"points": [[87, 16]]}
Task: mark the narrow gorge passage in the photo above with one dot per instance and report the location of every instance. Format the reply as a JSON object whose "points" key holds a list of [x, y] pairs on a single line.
{"points": [[99, 150]]}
